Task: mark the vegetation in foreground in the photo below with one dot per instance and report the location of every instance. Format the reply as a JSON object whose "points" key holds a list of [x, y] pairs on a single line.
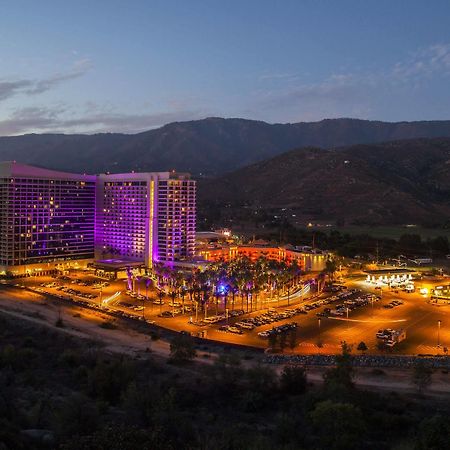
{"points": [[61, 392]]}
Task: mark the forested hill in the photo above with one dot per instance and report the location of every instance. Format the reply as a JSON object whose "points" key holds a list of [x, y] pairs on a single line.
{"points": [[211, 146], [392, 183]]}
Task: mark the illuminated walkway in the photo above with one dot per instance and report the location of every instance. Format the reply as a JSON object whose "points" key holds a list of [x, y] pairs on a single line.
{"points": [[366, 321]]}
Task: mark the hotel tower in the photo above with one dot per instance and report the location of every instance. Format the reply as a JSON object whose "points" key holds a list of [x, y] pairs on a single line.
{"points": [[46, 218], [145, 217], [55, 220]]}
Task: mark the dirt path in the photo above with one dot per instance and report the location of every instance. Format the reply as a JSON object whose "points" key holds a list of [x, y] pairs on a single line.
{"points": [[82, 323], [85, 323]]}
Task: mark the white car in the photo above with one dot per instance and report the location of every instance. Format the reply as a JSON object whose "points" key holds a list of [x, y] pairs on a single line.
{"points": [[234, 330], [264, 334]]}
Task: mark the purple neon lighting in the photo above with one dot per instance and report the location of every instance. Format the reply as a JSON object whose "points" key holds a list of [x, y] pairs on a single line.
{"points": [[47, 219], [137, 217]]}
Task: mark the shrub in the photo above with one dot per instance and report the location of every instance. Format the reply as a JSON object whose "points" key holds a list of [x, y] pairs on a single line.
{"points": [[182, 349], [293, 380]]}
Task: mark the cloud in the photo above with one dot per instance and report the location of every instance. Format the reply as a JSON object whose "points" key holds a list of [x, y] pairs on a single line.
{"points": [[351, 94], [11, 88], [31, 87], [425, 62], [337, 96], [59, 119], [279, 76]]}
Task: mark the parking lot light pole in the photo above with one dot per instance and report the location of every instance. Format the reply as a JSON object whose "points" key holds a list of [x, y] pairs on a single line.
{"points": [[439, 334], [320, 338]]}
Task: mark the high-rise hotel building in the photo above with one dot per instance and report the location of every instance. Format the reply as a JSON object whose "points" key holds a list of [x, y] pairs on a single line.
{"points": [[50, 218], [46, 218], [145, 217]]}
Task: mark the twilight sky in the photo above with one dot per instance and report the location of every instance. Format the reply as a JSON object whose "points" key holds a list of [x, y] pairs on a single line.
{"points": [[127, 66]]}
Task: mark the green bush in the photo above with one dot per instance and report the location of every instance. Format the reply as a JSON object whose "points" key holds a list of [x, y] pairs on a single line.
{"points": [[182, 349]]}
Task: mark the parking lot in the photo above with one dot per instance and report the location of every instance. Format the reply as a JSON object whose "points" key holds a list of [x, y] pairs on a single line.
{"points": [[354, 313]]}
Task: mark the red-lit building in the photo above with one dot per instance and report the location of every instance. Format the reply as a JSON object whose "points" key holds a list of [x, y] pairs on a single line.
{"points": [[307, 261]]}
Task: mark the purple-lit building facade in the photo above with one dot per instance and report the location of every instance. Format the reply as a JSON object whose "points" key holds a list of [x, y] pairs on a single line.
{"points": [[46, 218], [56, 220], [145, 217]]}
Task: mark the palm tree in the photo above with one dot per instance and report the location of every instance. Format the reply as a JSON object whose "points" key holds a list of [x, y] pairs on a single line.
{"points": [[158, 270], [183, 295], [203, 289], [295, 271], [330, 268], [160, 296], [242, 276]]}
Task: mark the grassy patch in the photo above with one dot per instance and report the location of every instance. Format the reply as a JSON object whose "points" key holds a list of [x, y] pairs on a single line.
{"points": [[391, 232]]}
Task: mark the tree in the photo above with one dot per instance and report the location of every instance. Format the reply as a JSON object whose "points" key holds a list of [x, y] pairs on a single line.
{"points": [[282, 342], [433, 433], [341, 375], [330, 268], [293, 338], [362, 347], [119, 436], [110, 377], [182, 349], [421, 376], [410, 244], [293, 380], [273, 341], [76, 413], [260, 379], [339, 425]]}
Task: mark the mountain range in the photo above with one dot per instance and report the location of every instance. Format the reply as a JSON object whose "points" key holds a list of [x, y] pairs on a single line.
{"points": [[397, 182], [208, 147]]}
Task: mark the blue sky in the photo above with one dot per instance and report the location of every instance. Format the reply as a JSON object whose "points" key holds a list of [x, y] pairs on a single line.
{"points": [[128, 66]]}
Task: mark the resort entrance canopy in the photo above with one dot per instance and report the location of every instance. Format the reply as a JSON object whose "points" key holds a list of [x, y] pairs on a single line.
{"points": [[116, 265]]}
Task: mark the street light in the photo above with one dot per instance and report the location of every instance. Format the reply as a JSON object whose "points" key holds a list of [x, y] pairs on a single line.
{"points": [[320, 337], [439, 334], [143, 309]]}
